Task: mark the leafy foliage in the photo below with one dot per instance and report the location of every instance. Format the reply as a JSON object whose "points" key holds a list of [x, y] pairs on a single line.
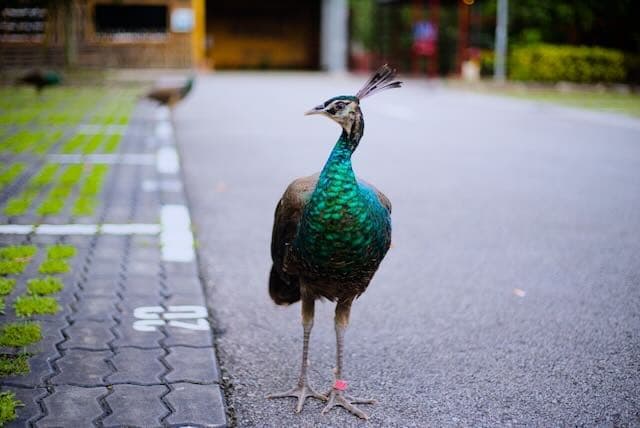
{"points": [[566, 63]]}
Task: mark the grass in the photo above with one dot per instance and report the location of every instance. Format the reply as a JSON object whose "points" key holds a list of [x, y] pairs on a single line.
{"points": [[20, 334], [112, 144], [6, 286], [15, 258], [44, 286], [12, 267], [51, 266], [605, 101], [91, 187], [11, 173], [26, 306], [11, 365], [8, 404], [45, 176], [18, 252], [609, 101], [55, 200], [61, 251], [19, 205]]}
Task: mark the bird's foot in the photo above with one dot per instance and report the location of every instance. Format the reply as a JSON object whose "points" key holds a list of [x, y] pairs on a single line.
{"points": [[301, 392], [337, 397]]}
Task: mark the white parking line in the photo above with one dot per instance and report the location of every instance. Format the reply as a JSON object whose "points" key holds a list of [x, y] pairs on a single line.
{"points": [[167, 160], [128, 159], [81, 229], [176, 237]]}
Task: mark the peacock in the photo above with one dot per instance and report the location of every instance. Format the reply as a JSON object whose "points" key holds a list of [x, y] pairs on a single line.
{"points": [[330, 233], [171, 95], [40, 79]]}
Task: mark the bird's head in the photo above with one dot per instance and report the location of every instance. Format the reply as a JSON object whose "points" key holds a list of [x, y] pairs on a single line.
{"points": [[345, 109]]}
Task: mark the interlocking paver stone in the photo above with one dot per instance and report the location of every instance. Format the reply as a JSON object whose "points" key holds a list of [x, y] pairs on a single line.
{"points": [[192, 365], [31, 410], [128, 336], [96, 308], [72, 405], [80, 367], [40, 369], [93, 335], [196, 404], [100, 287], [137, 366], [136, 406], [90, 353], [184, 286], [183, 337]]}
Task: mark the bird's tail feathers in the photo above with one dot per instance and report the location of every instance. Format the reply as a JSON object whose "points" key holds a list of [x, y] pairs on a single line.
{"points": [[281, 291], [381, 80]]}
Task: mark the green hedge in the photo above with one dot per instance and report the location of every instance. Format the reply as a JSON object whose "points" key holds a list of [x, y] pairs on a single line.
{"points": [[552, 63]]}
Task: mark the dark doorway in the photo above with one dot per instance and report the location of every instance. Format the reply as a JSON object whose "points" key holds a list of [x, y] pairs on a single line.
{"points": [[254, 34]]}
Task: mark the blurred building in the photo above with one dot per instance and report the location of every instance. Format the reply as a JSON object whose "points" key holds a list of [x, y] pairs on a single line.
{"points": [[220, 34]]}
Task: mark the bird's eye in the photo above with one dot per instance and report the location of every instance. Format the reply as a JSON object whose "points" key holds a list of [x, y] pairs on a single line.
{"points": [[340, 105]]}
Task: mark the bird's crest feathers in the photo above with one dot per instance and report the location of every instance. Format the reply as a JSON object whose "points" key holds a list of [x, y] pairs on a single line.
{"points": [[381, 80]]}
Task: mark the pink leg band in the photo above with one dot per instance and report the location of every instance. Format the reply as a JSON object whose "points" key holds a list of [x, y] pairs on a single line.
{"points": [[340, 384]]}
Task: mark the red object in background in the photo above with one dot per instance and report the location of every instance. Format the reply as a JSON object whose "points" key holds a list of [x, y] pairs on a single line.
{"points": [[425, 37], [424, 47]]}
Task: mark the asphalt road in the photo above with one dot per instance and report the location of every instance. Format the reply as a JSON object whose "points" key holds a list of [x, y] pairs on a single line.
{"points": [[512, 292]]}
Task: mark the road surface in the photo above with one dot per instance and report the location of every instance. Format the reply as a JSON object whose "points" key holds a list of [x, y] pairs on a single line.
{"points": [[511, 294]]}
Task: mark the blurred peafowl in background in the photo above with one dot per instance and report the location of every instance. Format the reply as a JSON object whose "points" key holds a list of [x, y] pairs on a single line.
{"points": [[171, 95], [40, 79], [330, 233]]}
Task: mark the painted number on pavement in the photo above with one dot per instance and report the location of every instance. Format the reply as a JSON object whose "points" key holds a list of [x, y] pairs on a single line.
{"points": [[187, 317]]}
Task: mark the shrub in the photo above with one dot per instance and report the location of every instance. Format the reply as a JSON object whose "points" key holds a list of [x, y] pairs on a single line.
{"points": [[552, 63]]}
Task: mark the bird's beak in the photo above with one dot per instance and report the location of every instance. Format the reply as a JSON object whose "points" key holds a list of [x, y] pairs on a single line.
{"points": [[316, 110]]}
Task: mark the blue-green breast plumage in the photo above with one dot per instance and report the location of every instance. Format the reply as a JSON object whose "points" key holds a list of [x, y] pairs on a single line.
{"points": [[344, 231]]}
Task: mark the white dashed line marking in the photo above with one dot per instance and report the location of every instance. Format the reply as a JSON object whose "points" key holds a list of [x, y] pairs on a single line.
{"points": [[167, 160], [176, 237]]}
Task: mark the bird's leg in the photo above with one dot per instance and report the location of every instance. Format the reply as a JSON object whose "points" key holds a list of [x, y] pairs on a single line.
{"points": [[302, 390], [337, 396]]}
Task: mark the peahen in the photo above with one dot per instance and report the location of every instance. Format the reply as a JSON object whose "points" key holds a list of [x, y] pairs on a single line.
{"points": [[40, 79], [330, 233], [170, 95]]}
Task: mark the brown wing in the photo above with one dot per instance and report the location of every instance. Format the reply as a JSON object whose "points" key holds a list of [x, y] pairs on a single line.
{"points": [[287, 217]]}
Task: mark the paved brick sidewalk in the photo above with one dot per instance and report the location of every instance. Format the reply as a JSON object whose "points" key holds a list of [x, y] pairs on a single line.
{"points": [[132, 344]]}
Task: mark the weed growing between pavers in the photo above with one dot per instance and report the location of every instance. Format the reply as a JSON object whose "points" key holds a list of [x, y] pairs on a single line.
{"points": [[18, 252], [12, 365], [15, 258], [8, 405], [44, 286], [18, 335], [61, 251], [89, 191], [12, 267], [10, 173], [50, 266], [26, 306], [7, 285]]}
